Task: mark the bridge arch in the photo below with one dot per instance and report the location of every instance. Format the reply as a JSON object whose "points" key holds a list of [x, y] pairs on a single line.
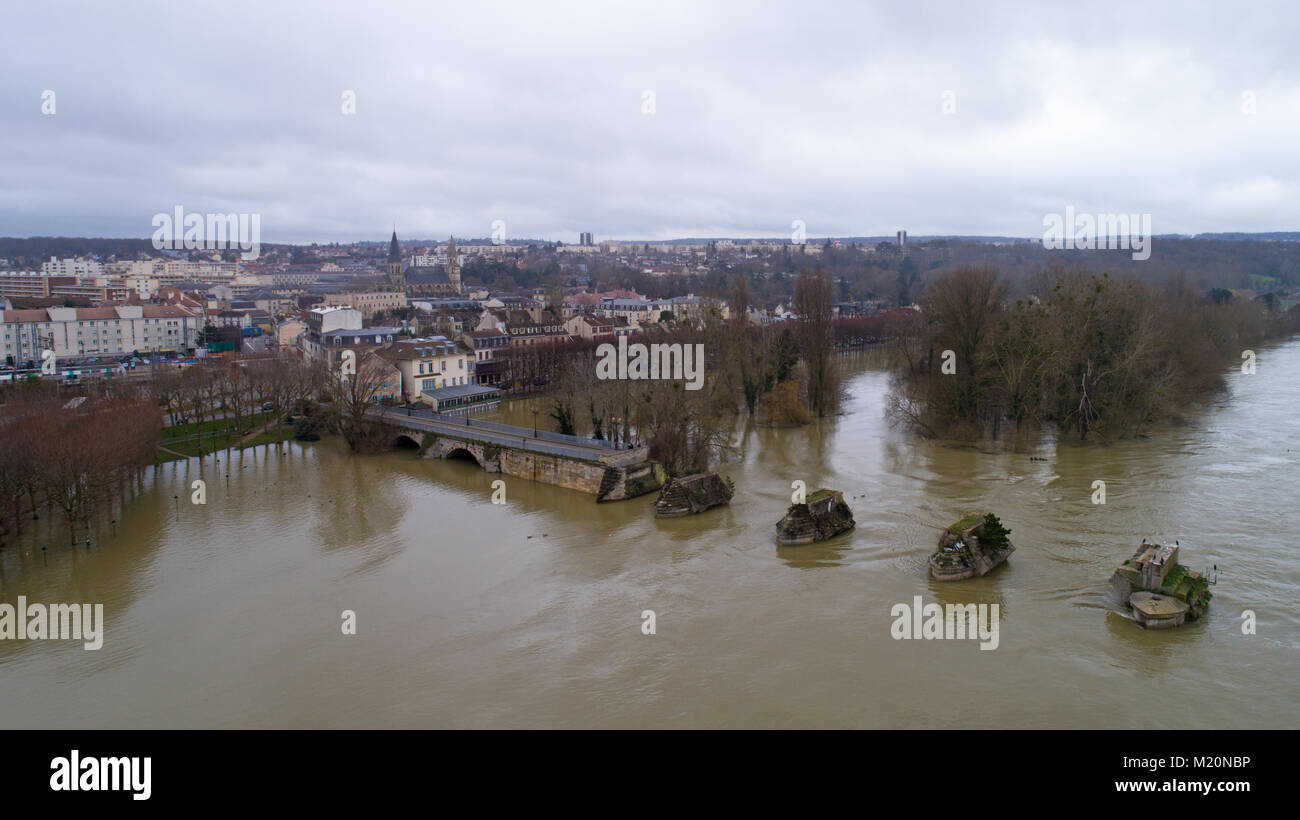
{"points": [[464, 453], [405, 441]]}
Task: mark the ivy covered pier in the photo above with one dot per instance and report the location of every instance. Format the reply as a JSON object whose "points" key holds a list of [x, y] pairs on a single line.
{"points": [[1163, 593], [970, 547]]}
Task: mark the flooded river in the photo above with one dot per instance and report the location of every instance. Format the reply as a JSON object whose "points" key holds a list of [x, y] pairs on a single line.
{"points": [[529, 614]]}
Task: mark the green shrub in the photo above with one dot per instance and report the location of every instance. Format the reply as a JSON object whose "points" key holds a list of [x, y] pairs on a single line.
{"points": [[994, 536]]}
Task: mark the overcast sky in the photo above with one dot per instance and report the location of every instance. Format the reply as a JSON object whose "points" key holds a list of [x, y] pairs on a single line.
{"points": [[534, 114]]}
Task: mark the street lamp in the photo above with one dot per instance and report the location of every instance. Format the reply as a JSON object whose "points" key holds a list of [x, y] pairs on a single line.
{"points": [[534, 422]]}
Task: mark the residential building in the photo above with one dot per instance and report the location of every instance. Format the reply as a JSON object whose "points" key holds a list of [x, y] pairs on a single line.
{"points": [[329, 346], [590, 327], [78, 267], [325, 319], [102, 331], [485, 345], [429, 364]]}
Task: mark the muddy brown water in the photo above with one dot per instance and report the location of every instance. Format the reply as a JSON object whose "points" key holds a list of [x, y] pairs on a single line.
{"points": [[529, 614]]}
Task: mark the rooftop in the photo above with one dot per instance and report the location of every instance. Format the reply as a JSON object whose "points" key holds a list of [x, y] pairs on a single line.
{"points": [[460, 391]]}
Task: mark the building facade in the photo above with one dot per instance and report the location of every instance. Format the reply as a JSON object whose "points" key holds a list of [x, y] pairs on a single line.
{"points": [[102, 331]]}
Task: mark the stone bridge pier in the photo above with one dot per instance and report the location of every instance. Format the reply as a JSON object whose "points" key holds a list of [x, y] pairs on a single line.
{"points": [[610, 475]]}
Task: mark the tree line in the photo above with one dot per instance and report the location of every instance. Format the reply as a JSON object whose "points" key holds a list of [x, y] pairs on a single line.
{"points": [[1091, 355], [74, 455], [77, 450], [782, 374]]}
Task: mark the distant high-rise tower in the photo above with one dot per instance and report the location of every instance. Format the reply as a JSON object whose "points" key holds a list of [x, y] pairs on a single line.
{"points": [[902, 238], [585, 238]]}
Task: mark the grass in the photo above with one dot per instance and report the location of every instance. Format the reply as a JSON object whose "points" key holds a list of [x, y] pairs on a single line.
{"points": [[186, 440], [971, 520]]}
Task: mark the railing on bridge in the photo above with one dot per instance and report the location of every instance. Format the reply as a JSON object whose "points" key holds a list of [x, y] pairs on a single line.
{"points": [[522, 432]]}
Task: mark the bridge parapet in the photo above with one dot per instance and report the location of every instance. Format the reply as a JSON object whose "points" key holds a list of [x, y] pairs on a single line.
{"points": [[626, 458], [514, 430], [610, 474]]}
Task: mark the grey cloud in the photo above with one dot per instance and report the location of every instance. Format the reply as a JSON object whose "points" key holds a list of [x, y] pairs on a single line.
{"points": [[531, 113]]}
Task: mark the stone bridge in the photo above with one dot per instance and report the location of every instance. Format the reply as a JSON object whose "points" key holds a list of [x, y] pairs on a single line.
{"points": [[607, 471]]}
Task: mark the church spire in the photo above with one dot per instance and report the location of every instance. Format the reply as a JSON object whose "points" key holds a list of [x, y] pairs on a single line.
{"points": [[394, 250], [453, 264]]}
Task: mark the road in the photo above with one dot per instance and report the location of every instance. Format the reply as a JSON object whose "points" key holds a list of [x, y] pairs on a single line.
{"points": [[506, 435]]}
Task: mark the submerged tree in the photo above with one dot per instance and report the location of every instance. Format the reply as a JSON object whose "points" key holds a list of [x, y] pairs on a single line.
{"points": [[814, 305]]}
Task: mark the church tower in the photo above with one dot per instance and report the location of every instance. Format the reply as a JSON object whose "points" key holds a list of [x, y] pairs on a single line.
{"points": [[395, 261], [453, 265]]}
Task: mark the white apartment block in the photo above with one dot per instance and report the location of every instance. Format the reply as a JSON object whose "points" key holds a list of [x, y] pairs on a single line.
{"points": [[181, 270], [103, 331], [72, 267], [325, 319], [144, 286], [128, 268]]}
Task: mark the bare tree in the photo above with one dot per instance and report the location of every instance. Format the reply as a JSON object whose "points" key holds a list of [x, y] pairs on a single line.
{"points": [[815, 308], [355, 397]]}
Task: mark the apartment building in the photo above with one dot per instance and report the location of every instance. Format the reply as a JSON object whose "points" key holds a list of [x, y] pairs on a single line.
{"points": [[324, 319], [589, 327], [372, 302], [102, 331], [635, 311], [329, 346], [29, 284], [78, 267], [429, 364], [230, 318], [287, 333], [484, 346], [285, 279]]}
